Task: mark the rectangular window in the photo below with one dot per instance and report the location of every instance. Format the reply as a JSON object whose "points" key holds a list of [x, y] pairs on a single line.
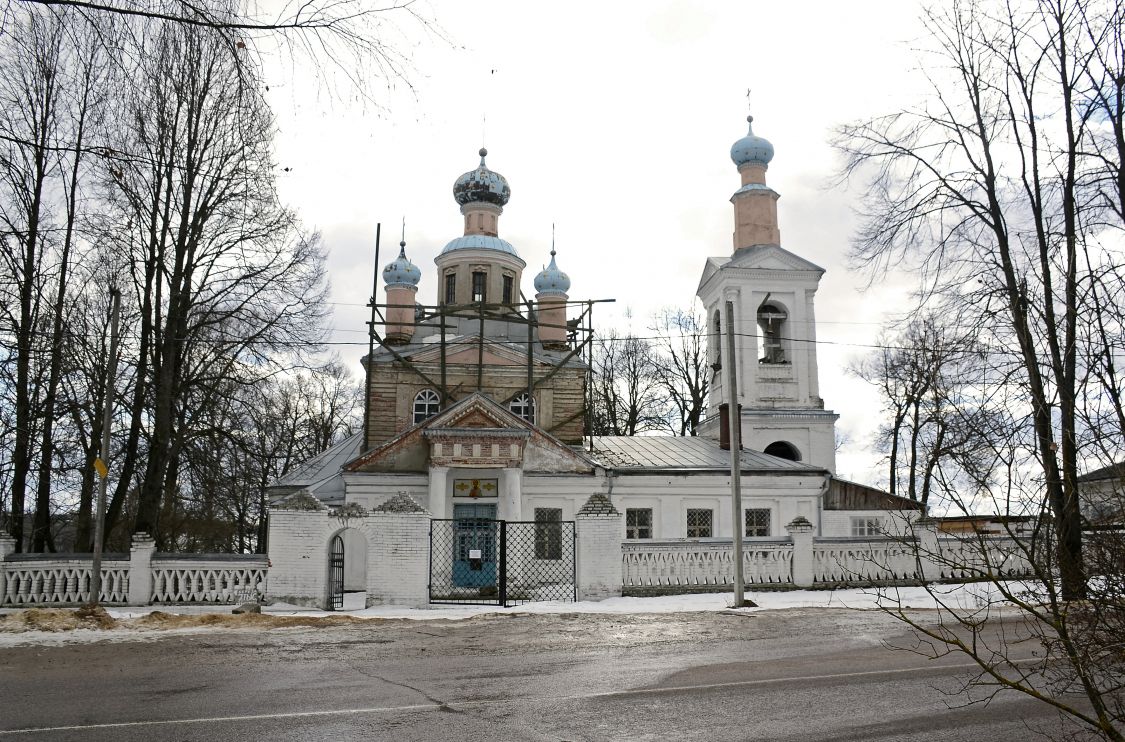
{"points": [[450, 288], [509, 284], [548, 533], [699, 523], [638, 523], [866, 526], [479, 280], [758, 522]]}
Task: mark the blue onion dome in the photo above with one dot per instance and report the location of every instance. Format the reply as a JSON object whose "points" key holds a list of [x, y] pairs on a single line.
{"points": [[400, 271], [551, 280], [751, 148], [482, 185]]}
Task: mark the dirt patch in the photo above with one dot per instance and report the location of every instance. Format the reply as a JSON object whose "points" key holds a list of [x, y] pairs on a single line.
{"points": [[70, 619], [57, 619], [162, 620]]}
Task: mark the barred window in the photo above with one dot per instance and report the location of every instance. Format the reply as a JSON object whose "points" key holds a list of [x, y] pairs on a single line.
{"points": [[426, 404], [699, 523], [758, 522], [866, 526], [548, 533], [524, 406], [451, 288], [509, 286], [638, 523], [480, 280]]}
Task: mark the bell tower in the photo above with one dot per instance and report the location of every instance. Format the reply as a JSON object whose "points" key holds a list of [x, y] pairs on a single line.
{"points": [[773, 292]]}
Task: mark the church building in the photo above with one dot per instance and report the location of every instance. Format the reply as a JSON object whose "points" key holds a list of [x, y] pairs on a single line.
{"points": [[477, 403]]}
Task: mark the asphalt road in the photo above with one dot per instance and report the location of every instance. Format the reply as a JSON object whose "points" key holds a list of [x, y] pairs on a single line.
{"points": [[802, 674]]}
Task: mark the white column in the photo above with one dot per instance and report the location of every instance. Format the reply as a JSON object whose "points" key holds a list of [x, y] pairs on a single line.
{"points": [[439, 492], [511, 494]]}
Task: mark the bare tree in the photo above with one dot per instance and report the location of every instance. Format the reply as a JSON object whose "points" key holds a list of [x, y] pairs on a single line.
{"points": [[223, 278], [626, 393], [30, 99], [925, 376], [682, 370], [995, 191], [982, 194]]}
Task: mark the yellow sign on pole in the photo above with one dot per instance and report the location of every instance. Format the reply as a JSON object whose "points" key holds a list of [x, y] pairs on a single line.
{"points": [[101, 468]]}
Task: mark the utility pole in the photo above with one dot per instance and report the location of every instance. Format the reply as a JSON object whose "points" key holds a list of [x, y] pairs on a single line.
{"points": [[101, 462], [735, 426]]}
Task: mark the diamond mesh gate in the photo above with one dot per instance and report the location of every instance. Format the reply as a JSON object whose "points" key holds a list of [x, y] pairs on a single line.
{"points": [[497, 562]]}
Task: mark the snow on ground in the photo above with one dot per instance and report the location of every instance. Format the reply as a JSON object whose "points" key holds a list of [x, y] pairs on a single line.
{"points": [[968, 597]]}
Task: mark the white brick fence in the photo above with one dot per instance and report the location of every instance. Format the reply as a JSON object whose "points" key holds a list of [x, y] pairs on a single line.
{"points": [[391, 552], [140, 577]]}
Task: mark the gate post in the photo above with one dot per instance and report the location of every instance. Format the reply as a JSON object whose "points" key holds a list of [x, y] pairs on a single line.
{"points": [[398, 570], [141, 550], [502, 565], [599, 528]]}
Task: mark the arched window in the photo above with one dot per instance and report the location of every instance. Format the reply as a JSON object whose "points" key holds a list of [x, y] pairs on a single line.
{"points": [[783, 450], [426, 405], [524, 406], [771, 319]]}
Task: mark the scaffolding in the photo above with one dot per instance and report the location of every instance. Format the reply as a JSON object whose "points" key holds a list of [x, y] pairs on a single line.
{"points": [[452, 323]]}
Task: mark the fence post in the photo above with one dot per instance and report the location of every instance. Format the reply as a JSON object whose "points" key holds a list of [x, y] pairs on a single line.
{"points": [[801, 533], [929, 551], [140, 569], [398, 566], [599, 527], [7, 546]]}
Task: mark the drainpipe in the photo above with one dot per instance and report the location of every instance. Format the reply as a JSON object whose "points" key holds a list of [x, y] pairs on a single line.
{"points": [[820, 504]]}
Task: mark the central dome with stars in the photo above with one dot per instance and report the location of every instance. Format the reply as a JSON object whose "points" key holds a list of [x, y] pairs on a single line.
{"points": [[482, 186]]}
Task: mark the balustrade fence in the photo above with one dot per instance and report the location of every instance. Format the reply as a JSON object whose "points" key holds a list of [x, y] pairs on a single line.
{"points": [[667, 567], [139, 577], [685, 566]]}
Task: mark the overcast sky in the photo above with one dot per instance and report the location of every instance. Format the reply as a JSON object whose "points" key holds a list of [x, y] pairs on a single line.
{"points": [[614, 121]]}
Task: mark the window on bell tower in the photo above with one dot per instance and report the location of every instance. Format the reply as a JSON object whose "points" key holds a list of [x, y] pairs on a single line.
{"points": [[771, 320], [509, 284]]}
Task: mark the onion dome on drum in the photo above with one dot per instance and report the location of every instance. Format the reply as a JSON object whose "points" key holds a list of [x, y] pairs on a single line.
{"points": [[482, 186], [751, 148], [551, 280], [400, 271]]}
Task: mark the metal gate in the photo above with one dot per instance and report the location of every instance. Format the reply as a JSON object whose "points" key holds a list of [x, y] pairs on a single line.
{"points": [[497, 562], [336, 574]]}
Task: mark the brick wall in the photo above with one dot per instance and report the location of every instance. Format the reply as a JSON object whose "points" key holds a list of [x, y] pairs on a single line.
{"points": [[398, 569], [396, 558], [599, 555]]}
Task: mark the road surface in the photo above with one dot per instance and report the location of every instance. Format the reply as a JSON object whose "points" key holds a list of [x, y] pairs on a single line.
{"points": [[797, 674]]}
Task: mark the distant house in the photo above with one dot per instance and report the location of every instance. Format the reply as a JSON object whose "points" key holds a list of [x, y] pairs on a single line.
{"points": [[1102, 495], [985, 525]]}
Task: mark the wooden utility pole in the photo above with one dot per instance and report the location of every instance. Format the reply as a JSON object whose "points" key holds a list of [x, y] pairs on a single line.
{"points": [[102, 462], [734, 422]]}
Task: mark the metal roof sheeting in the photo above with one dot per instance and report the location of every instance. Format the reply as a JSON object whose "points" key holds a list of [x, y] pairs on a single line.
{"points": [[669, 452]]}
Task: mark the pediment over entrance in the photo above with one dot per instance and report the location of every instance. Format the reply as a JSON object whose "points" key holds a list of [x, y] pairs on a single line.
{"points": [[474, 433]]}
